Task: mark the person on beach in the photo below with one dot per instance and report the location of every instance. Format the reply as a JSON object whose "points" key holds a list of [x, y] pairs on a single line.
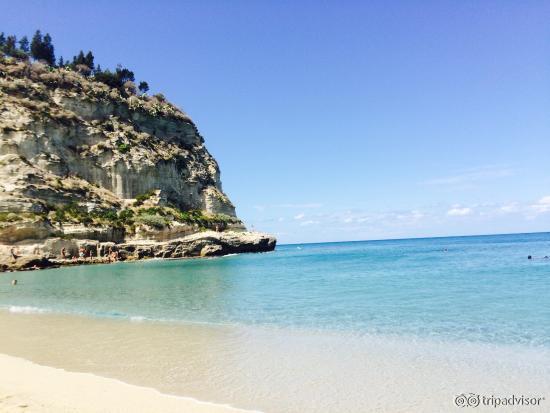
{"points": [[81, 253], [13, 254], [63, 253]]}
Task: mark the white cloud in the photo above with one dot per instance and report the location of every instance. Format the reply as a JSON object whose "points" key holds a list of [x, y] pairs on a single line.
{"points": [[299, 216], [309, 222], [459, 212], [543, 205], [510, 208]]}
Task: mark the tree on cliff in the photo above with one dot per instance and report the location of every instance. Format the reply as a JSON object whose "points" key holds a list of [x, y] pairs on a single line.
{"points": [[143, 87], [11, 45], [24, 44], [42, 48], [84, 59]]}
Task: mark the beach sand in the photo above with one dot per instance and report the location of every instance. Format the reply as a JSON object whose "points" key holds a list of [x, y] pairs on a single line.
{"points": [[264, 369], [29, 387]]}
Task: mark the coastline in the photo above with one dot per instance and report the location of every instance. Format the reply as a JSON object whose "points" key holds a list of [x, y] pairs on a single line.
{"points": [[199, 245], [36, 388]]}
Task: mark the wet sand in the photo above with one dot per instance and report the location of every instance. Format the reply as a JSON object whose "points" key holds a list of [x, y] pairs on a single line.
{"points": [[269, 370], [28, 387]]}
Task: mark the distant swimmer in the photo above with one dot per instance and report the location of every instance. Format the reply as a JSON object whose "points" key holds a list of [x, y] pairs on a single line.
{"points": [[530, 257], [13, 282]]}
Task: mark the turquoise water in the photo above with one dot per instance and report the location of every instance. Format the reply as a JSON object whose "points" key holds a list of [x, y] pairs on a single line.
{"points": [[479, 288]]}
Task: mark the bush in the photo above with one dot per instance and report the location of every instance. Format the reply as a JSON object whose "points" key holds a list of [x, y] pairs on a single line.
{"points": [[129, 87], [126, 216], [124, 147], [72, 211], [140, 199], [155, 221], [9, 217]]}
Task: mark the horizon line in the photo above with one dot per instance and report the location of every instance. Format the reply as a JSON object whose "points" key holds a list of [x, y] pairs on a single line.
{"points": [[417, 238]]}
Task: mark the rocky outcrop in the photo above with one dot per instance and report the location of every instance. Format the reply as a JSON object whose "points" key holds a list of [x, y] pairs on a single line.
{"points": [[204, 244], [81, 162]]}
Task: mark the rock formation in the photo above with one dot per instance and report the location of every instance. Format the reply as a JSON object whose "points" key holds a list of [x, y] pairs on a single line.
{"points": [[82, 163]]}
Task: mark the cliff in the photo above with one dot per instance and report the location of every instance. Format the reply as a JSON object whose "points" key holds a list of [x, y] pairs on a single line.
{"points": [[82, 162]]}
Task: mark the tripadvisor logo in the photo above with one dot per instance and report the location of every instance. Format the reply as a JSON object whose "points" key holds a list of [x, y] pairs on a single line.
{"points": [[475, 400]]}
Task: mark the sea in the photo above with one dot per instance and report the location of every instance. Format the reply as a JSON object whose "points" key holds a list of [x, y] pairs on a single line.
{"points": [[393, 325]]}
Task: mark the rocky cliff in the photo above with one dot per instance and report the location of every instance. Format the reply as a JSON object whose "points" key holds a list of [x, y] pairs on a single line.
{"points": [[83, 162]]}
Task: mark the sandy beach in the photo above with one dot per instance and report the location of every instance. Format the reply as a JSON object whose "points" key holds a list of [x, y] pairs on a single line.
{"points": [[29, 387], [268, 370]]}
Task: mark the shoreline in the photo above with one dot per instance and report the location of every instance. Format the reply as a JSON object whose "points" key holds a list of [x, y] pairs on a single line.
{"points": [[38, 388], [272, 370]]}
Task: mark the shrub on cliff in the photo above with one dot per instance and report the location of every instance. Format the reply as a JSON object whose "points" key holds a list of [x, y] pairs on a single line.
{"points": [[155, 221]]}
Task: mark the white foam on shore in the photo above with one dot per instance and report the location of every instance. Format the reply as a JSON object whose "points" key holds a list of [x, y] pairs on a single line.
{"points": [[27, 310]]}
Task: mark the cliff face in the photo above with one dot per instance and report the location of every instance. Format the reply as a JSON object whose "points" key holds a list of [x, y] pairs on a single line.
{"points": [[81, 160], [58, 124]]}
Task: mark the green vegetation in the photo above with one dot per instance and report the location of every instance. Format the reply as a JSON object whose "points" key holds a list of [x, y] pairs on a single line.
{"points": [[73, 212], [8, 217], [140, 199], [124, 147], [157, 217], [143, 87], [41, 48], [152, 220]]}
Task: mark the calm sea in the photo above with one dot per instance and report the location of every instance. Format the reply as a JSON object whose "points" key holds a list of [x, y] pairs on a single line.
{"points": [[480, 289]]}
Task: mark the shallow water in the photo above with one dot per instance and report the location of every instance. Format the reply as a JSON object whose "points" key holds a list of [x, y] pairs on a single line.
{"points": [[281, 370], [474, 288]]}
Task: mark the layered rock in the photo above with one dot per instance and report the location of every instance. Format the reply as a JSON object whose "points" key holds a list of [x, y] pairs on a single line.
{"points": [[82, 161]]}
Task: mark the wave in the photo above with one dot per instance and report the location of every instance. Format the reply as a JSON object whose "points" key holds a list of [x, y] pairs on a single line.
{"points": [[27, 309]]}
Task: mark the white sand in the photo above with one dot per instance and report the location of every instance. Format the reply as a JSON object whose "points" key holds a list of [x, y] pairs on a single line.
{"points": [[29, 387]]}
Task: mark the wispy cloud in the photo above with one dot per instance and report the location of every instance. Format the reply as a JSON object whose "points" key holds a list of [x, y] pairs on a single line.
{"points": [[299, 216], [310, 205], [458, 211], [472, 176], [308, 222], [300, 206]]}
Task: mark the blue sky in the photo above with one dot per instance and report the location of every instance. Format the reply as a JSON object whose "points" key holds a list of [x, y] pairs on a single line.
{"points": [[344, 120]]}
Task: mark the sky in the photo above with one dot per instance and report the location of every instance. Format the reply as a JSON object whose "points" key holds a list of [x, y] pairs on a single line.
{"points": [[344, 120]]}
